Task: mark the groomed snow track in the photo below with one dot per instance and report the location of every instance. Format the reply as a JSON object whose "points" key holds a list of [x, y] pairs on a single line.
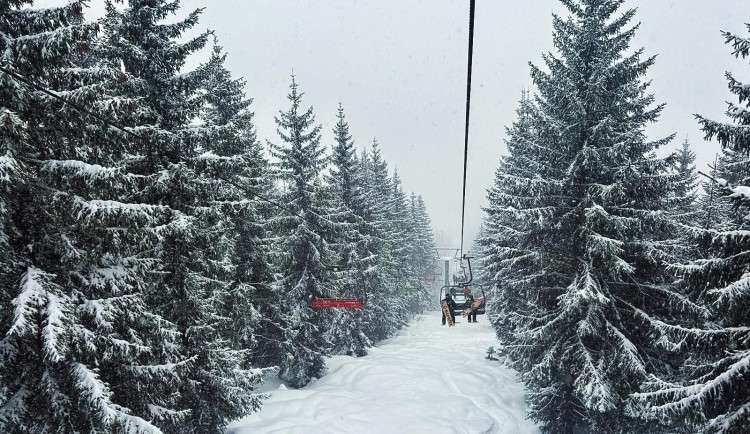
{"points": [[427, 379]]}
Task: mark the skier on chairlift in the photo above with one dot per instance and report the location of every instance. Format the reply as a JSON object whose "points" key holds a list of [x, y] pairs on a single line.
{"points": [[451, 307], [469, 304]]}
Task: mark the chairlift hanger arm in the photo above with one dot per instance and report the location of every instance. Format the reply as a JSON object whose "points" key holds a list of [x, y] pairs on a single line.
{"points": [[471, 275]]}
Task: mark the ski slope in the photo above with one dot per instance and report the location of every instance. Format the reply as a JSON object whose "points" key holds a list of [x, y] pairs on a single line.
{"points": [[428, 378]]}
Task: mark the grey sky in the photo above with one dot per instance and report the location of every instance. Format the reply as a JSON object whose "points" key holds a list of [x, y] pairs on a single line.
{"points": [[398, 67]]}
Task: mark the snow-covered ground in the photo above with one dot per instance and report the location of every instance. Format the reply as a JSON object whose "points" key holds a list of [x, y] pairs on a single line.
{"points": [[428, 379]]}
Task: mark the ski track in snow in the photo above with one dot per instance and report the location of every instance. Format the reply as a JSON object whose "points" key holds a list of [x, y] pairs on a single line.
{"points": [[427, 379]]}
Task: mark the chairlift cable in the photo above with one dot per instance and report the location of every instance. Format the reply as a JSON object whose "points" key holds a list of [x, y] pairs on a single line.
{"points": [[468, 106]]}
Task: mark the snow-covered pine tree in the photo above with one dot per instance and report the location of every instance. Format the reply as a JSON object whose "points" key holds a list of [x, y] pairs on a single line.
{"points": [[686, 190], [403, 274], [303, 277], [683, 205], [347, 330], [477, 251], [232, 161], [378, 270], [377, 190], [342, 177], [712, 211], [370, 245], [177, 161], [240, 166], [519, 201], [80, 351], [710, 394], [590, 339], [422, 254]]}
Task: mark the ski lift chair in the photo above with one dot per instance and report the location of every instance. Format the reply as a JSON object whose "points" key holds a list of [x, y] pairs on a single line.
{"points": [[456, 289]]}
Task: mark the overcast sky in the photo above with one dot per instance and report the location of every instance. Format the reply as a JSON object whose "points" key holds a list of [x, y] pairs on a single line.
{"points": [[399, 68]]}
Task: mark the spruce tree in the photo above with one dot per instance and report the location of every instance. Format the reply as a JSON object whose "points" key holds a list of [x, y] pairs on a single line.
{"points": [[233, 163], [347, 330], [378, 191], [234, 158], [177, 162], [709, 393], [517, 201], [683, 206], [422, 252], [402, 232], [81, 350], [594, 219], [342, 176], [369, 247], [303, 275], [712, 211], [687, 184]]}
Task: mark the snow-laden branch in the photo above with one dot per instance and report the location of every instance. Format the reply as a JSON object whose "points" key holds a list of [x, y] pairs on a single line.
{"points": [[29, 300], [740, 194], [97, 396]]}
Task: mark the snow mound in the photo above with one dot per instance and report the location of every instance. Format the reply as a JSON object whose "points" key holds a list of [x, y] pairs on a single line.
{"points": [[429, 378]]}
